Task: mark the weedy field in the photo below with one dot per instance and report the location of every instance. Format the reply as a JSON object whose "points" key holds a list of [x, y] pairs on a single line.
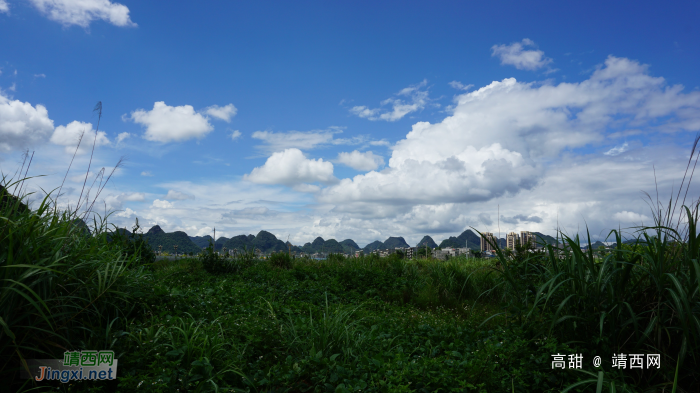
{"points": [[364, 324]]}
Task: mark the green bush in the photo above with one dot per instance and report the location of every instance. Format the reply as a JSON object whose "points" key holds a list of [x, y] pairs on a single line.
{"points": [[133, 244], [215, 263], [281, 260]]}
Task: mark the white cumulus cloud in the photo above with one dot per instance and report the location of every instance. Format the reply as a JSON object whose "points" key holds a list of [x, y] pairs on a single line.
{"points": [[84, 12], [502, 138], [290, 167], [366, 161], [4, 7], [416, 98], [115, 201], [69, 135], [126, 213], [516, 55], [122, 136], [171, 123], [158, 204], [235, 135], [22, 125], [224, 113]]}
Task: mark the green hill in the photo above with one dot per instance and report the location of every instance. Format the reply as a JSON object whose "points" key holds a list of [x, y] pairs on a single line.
{"points": [[267, 242], [467, 237], [349, 246], [264, 241], [375, 245], [203, 241], [328, 246], [240, 242], [388, 244], [427, 240], [121, 231], [547, 239], [82, 227], [157, 237], [9, 202], [394, 242], [332, 246]]}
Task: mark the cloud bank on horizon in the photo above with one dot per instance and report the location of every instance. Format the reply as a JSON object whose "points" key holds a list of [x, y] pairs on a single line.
{"points": [[512, 153]]}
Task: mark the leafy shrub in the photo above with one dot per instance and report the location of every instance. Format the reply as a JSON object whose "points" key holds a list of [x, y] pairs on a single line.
{"points": [[215, 263], [281, 260], [133, 244]]}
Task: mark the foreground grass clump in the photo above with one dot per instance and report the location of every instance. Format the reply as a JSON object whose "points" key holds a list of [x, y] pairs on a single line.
{"points": [[640, 299], [62, 287]]}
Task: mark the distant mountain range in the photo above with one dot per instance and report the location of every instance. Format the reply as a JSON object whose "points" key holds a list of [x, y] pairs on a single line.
{"points": [[157, 237], [267, 242]]}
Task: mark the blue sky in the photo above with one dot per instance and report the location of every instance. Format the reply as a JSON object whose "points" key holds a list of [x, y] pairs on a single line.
{"points": [[354, 119]]}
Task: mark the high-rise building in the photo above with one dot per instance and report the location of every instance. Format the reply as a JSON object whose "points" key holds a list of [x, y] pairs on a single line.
{"points": [[487, 241], [511, 240], [528, 238]]}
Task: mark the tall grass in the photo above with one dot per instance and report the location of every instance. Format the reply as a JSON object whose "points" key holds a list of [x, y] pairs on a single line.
{"points": [[62, 288], [642, 299]]}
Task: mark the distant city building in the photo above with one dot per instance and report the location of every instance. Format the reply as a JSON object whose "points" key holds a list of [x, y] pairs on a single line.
{"points": [[449, 252], [488, 240], [528, 239], [408, 252], [512, 239]]}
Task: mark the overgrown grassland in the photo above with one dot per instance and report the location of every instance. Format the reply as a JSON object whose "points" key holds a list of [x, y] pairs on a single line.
{"points": [[370, 325]]}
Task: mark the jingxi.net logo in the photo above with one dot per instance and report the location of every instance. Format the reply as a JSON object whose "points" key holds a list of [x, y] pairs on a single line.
{"points": [[75, 366]]}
